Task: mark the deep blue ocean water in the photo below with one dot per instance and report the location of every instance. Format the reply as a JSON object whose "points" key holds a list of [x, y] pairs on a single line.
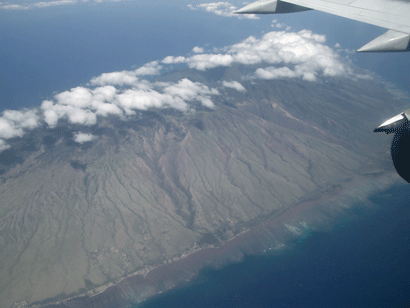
{"points": [[50, 50], [55, 49], [364, 262]]}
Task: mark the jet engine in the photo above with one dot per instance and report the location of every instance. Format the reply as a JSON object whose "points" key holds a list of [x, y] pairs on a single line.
{"points": [[400, 146]]}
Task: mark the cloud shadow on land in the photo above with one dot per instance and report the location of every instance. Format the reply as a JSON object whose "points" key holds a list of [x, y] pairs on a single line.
{"points": [[53, 135], [10, 157], [198, 123], [77, 165]]}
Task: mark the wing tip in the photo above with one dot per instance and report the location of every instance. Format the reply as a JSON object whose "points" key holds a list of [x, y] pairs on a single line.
{"points": [[391, 41]]}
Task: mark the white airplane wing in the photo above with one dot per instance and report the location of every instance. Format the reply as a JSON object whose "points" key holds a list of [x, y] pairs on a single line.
{"points": [[391, 14]]}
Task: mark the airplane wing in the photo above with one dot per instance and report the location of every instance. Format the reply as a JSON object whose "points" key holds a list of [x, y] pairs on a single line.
{"points": [[391, 14]]}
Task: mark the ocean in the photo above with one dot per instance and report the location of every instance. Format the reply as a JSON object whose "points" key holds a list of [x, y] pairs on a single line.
{"points": [[362, 262]]}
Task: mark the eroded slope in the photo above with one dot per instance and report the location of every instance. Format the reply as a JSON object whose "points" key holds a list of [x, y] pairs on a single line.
{"points": [[152, 188]]}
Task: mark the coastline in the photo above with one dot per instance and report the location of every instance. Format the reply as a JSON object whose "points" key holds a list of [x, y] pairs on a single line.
{"points": [[317, 212]]}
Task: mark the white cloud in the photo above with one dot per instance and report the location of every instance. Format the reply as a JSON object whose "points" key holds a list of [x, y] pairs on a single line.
{"points": [[234, 85], [276, 24], [115, 78], [9, 130], [53, 3], [222, 9], [364, 76], [13, 123], [28, 118], [203, 62], [298, 54], [82, 105], [14, 7], [82, 137], [75, 115], [127, 77], [77, 97], [274, 73], [197, 49], [284, 72], [151, 68], [3, 145], [173, 60], [46, 4], [103, 101], [166, 95], [136, 99], [189, 91], [278, 54]]}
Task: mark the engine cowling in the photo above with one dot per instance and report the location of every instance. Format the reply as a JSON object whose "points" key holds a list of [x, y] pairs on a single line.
{"points": [[400, 152], [400, 146]]}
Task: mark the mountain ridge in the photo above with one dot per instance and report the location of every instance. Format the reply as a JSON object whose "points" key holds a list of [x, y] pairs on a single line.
{"points": [[151, 188]]}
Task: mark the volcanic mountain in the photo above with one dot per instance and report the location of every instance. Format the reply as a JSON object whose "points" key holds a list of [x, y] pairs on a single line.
{"points": [[150, 188]]}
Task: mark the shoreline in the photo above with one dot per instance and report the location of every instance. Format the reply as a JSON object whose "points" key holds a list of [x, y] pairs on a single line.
{"points": [[275, 233]]}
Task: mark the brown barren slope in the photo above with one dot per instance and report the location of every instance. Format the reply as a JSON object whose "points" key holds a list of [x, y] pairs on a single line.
{"points": [[163, 184]]}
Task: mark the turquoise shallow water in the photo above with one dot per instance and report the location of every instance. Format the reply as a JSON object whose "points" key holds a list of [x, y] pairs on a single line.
{"points": [[364, 262]]}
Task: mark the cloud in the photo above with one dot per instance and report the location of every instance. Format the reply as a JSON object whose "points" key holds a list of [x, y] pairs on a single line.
{"points": [[276, 24], [166, 95], [277, 54], [197, 49], [4, 146], [300, 54], [364, 76], [46, 4], [41, 4], [189, 91], [222, 9], [13, 123], [53, 3], [280, 54], [136, 99], [285, 72], [13, 7], [115, 78], [9, 130], [203, 62], [151, 68], [54, 112], [82, 105], [28, 118], [82, 138], [127, 77], [173, 60], [234, 85]]}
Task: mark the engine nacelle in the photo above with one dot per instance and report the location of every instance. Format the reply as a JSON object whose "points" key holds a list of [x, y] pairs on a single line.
{"points": [[271, 7], [400, 146], [400, 152]]}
